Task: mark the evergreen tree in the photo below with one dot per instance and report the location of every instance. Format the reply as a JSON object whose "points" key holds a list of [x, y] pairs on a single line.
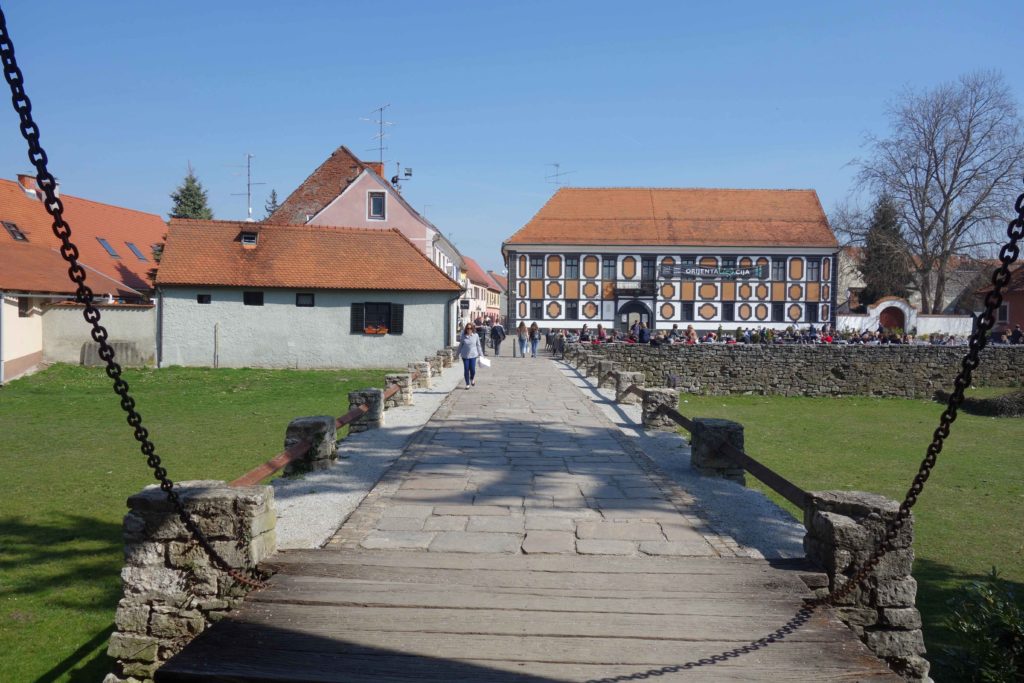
{"points": [[190, 199], [271, 205], [886, 262]]}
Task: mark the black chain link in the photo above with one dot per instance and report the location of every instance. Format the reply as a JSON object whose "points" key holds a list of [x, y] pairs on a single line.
{"points": [[84, 295]]}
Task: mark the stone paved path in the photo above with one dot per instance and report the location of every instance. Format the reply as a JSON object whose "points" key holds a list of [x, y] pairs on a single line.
{"points": [[524, 463]]}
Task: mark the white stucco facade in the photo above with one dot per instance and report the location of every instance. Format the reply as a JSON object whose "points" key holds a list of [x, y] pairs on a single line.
{"points": [[21, 335], [64, 330], [279, 334]]}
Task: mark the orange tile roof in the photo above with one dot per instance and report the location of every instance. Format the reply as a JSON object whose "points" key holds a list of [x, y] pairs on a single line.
{"points": [[30, 268], [89, 220], [679, 217], [477, 274], [209, 253], [501, 280], [321, 187]]}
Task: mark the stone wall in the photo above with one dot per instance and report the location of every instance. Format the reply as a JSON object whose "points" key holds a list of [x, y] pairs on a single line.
{"points": [[808, 370]]}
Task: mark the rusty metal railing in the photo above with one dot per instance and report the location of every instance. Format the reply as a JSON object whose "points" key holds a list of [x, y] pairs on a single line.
{"points": [[298, 451]]}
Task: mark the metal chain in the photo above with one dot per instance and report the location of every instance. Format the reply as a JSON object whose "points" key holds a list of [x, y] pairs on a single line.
{"points": [[84, 295], [978, 340]]}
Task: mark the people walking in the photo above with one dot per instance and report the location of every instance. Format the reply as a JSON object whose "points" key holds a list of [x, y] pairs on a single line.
{"points": [[497, 336], [469, 350], [484, 332], [534, 339], [522, 336]]}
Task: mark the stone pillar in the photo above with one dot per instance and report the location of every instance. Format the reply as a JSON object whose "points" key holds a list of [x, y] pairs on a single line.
{"points": [[404, 395], [603, 368], [652, 416], [447, 357], [172, 592], [592, 365], [622, 381], [843, 529], [322, 435], [436, 364], [374, 417], [706, 439], [424, 380], [582, 360]]}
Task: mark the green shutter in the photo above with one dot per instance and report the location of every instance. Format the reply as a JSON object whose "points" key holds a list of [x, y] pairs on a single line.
{"points": [[358, 318], [397, 325]]}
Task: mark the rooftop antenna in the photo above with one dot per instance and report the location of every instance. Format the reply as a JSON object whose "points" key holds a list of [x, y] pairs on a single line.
{"points": [[397, 179], [555, 178], [379, 137], [248, 186]]}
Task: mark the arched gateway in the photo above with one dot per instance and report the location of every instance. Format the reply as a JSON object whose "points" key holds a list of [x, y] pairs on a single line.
{"points": [[630, 312]]}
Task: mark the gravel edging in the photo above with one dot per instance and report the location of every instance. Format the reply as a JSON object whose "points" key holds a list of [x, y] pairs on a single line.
{"points": [[760, 527], [312, 507]]}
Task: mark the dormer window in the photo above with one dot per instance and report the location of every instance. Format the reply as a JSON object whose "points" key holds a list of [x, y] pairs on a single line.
{"points": [[16, 234], [248, 239], [375, 206], [106, 245]]}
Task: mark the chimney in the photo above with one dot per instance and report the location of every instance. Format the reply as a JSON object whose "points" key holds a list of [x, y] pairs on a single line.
{"points": [[376, 166], [31, 189]]}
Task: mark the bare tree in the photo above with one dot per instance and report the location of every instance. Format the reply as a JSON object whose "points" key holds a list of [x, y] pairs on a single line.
{"points": [[950, 167]]}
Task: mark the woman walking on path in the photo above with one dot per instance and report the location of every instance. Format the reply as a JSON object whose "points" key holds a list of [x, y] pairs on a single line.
{"points": [[534, 339], [522, 336], [469, 351]]}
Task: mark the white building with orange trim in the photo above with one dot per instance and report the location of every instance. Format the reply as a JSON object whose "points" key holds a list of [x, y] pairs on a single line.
{"points": [[707, 257]]}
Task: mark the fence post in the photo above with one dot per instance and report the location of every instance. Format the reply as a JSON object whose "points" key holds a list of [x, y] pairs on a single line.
{"points": [[843, 528], [374, 417], [706, 439], [603, 368], [436, 364], [652, 416], [171, 591], [404, 395], [447, 357], [423, 381], [321, 433], [623, 380]]}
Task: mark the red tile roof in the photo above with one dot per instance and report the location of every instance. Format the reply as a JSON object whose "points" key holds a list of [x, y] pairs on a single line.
{"points": [[89, 220], [209, 253], [679, 217], [478, 275], [41, 270], [321, 187], [501, 280]]}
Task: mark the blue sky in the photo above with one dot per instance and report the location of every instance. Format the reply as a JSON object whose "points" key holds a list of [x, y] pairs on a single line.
{"points": [[483, 95]]}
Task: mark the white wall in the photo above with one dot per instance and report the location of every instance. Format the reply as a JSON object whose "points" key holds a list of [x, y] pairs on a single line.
{"points": [[282, 335], [22, 338], [64, 330]]}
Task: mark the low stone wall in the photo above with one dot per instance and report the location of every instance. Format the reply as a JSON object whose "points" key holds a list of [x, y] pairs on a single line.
{"points": [[805, 369]]}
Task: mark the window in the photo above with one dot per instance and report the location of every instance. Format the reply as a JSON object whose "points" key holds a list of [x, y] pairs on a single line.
{"points": [[249, 239], [688, 261], [572, 267], [779, 268], [728, 262], [778, 311], [813, 269], [572, 310], [536, 309], [305, 299], [135, 250], [16, 234], [252, 298], [204, 298], [647, 268], [24, 307], [536, 267], [375, 205], [811, 312], [688, 311], [377, 318], [728, 311], [608, 268], [1003, 314], [106, 245]]}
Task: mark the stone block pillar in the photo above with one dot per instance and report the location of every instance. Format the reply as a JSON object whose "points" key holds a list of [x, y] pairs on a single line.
{"points": [[654, 400], [404, 395], [623, 380], [843, 529], [581, 361], [436, 364], [322, 435], [374, 417], [603, 368], [706, 439], [447, 357], [424, 380], [172, 592]]}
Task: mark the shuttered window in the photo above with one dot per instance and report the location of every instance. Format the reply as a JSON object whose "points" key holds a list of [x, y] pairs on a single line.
{"points": [[358, 316], [371, 317]]}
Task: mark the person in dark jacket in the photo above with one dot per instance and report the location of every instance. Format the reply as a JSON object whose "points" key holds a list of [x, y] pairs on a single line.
{"points": [[644, 334], [497, 336]]}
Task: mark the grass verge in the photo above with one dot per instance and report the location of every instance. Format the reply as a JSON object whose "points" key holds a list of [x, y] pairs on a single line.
{"points": [[967, 519], [69, 461]]}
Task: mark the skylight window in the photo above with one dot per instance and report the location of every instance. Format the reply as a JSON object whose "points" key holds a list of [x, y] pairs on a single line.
{"points": [[135, 250], [106, 245], [16, 234], [248, 239]]}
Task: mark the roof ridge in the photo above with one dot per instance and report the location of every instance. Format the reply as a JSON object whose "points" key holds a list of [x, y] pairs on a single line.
{"points": [[64, 195]]}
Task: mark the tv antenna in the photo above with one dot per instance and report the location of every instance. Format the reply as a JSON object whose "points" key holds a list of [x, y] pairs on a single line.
{"points": [[396, 180], [381, 135], [248, 186], [555, 177]]}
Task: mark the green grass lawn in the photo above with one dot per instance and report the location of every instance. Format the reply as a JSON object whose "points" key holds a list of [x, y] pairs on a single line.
{"points": [[969, 517], [69, 460]]}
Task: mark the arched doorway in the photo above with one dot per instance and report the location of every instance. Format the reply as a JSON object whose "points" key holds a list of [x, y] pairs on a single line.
{"points": [[892, 317], [631, 312]]}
